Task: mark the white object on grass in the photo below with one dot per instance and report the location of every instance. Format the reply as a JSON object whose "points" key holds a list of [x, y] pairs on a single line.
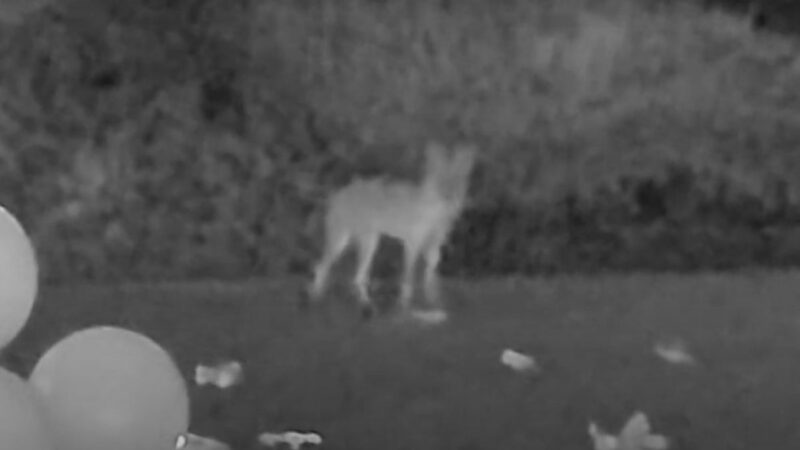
{"points": [[293, 439], [519, 361], [674, 352], [223, 375], [189, 441], [635, 435], [430, 317]]}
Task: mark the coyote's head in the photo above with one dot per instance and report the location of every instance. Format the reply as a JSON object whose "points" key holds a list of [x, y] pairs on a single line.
{"points": [[447, 173]]}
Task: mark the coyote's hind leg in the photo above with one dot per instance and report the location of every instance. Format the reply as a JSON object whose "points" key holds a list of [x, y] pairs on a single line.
{"points": [[335, 245], [367, 246]]}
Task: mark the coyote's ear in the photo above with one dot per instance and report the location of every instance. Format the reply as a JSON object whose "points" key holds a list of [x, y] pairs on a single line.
{"points": [[435, 155]]}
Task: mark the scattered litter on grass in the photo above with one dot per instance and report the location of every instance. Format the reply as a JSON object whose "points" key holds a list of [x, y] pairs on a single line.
{"points": [[293, 439], [674, 351], [635, 435], [191, 441], [223, 375], [430, 317], [520, 362]]}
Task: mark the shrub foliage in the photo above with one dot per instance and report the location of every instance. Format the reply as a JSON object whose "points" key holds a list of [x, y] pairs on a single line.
{"points": [[197, 138]]}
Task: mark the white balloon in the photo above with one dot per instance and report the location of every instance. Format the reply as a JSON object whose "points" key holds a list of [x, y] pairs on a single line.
{"points": [[109, 388], [22, 422], [19, 275]]}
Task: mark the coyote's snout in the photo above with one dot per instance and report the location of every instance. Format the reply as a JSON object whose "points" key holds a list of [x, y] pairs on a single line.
{"points": [[419, 214]]}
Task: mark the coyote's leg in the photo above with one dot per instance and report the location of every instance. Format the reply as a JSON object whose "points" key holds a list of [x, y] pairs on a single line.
{"points": [[367, 245], [432, 289], [335, 245], [410, 257]]}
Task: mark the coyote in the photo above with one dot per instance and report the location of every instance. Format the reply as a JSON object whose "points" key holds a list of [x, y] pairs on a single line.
{"points": [[419, 214]]}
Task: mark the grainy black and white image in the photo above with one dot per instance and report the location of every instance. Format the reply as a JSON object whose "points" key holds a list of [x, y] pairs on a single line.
{"points": [[399, 224]]}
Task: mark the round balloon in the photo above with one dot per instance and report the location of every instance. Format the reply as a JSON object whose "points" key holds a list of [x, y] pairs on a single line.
{"points": [[22, 420], [110, 388], [18, 277]]}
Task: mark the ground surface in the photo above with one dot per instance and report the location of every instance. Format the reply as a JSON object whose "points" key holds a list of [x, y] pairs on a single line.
{"points": [[390, 385]]}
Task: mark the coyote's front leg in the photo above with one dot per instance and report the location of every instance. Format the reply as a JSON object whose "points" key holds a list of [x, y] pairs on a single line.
{"points": [[432, 287]]}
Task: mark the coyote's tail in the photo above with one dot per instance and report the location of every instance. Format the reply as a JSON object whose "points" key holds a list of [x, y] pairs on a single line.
{"points": [[312, 232]]}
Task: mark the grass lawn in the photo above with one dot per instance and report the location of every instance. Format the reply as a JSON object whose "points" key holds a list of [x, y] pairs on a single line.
{"points": [[391, 385]]}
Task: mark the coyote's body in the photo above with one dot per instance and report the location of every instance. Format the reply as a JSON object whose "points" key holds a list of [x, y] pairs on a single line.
{"points": [[420, 215], [380, 206]]}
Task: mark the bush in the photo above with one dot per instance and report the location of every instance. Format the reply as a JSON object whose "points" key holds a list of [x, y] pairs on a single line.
{"points": [[147, 140]]}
